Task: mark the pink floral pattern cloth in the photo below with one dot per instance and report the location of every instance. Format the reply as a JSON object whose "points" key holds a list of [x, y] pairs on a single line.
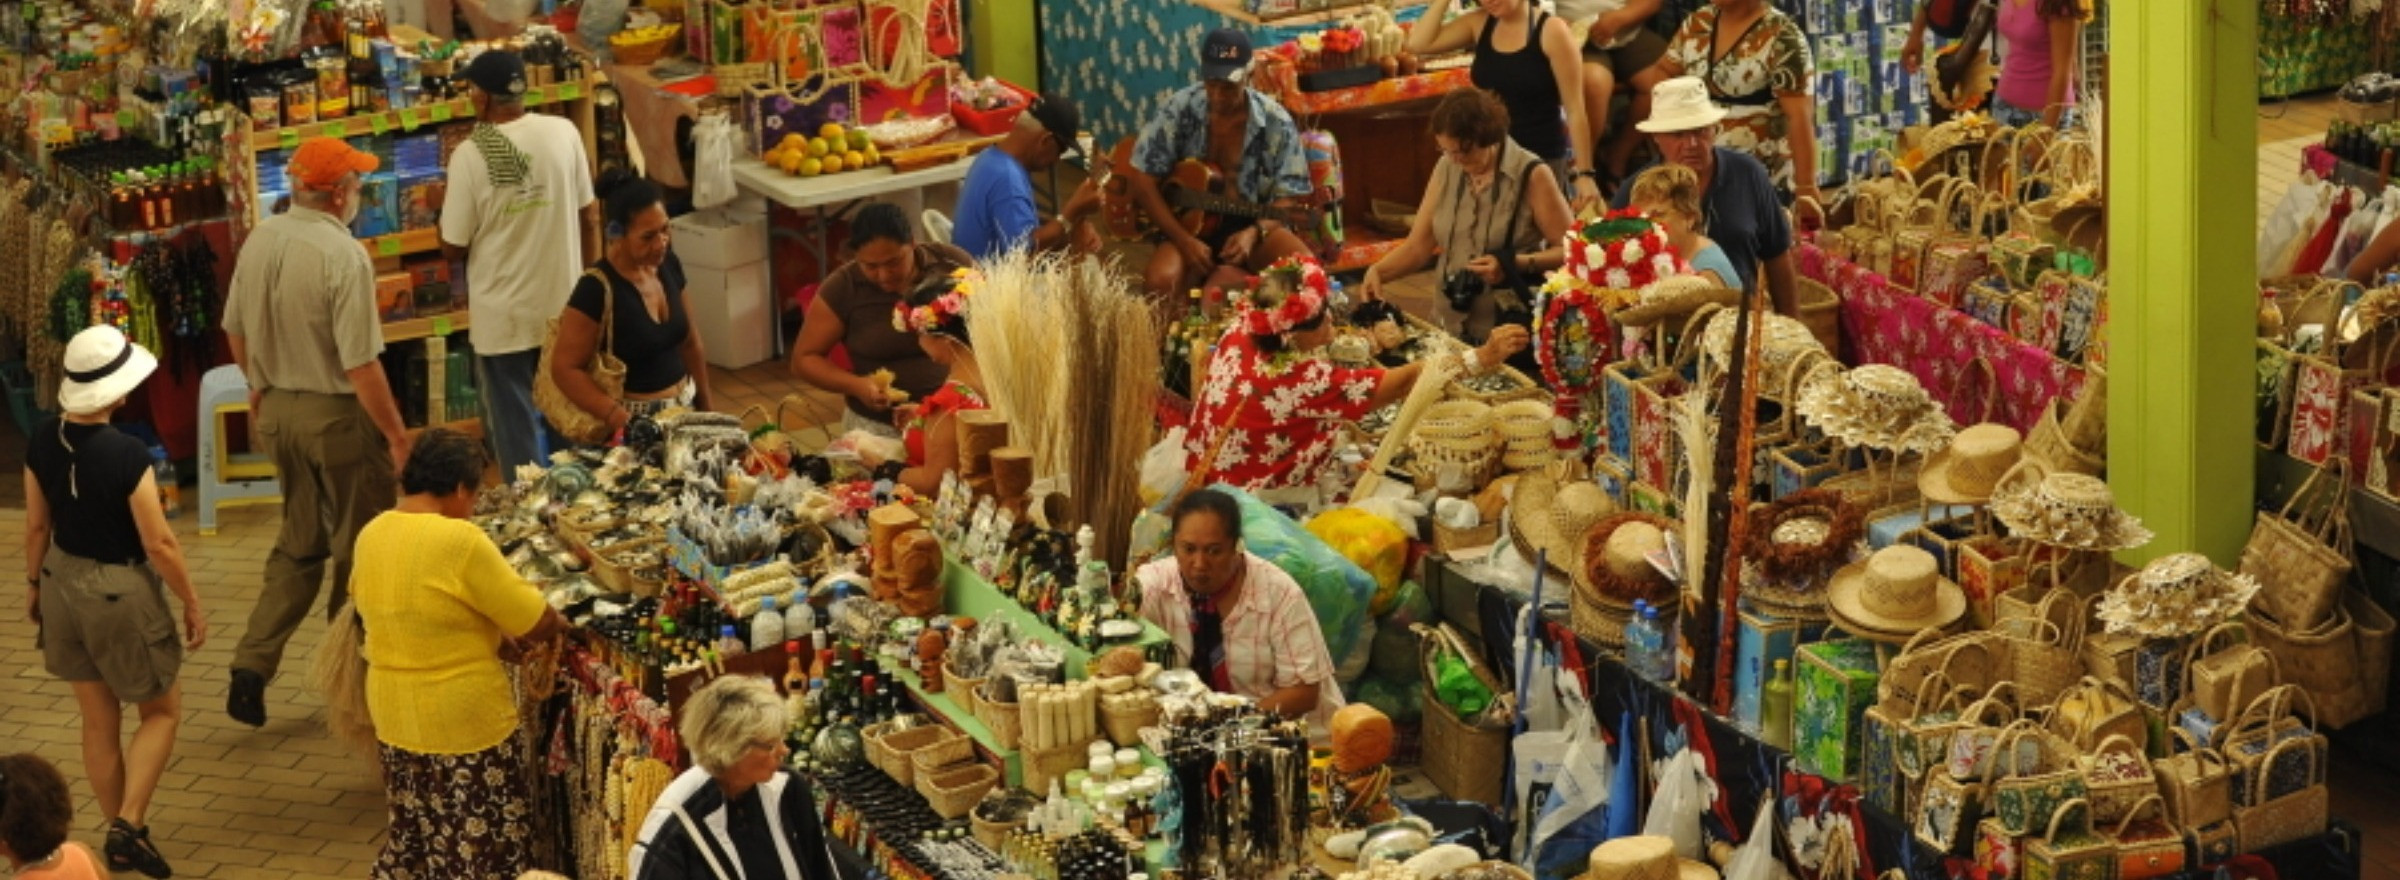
{"points": [[1939, 345]]}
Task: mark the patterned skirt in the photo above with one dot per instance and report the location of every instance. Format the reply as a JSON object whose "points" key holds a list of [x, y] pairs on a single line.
{"points": [[455, 816]]}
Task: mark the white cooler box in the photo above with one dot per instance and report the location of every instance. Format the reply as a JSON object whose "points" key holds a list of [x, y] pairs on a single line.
{"points": [[726, 289]]}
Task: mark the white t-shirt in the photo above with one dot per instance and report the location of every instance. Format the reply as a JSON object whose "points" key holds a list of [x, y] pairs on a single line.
{"points": [[525, 242]]}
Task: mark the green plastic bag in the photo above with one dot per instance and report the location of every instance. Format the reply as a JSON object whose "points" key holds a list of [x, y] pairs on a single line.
{"points": [[1454, 682]]}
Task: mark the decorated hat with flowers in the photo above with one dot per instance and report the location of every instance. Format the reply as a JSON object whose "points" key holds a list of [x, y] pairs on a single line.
{"points": [[940, 306], [1622, 250], [1288, 294], [2180, 594]]}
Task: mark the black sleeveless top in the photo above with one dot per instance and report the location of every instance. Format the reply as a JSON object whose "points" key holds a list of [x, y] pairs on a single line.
{"points": [[1522, 79]]}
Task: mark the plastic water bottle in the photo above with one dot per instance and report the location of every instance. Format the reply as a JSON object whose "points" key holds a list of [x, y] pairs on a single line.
{"points": [[802, 618], [729, 643], [766, 628], [1662, 652], [1641, 640]]}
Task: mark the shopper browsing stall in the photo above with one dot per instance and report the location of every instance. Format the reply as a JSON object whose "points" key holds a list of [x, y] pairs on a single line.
{"points": [[519, 189], [438, 603], [1744, 216], [300, 321], [854, 310], [1764, 74], [937, 314], [99, 558], [638, 288], [1238, 621], [1530, 59], [1267, 416], [996, 210], [737, 812]]}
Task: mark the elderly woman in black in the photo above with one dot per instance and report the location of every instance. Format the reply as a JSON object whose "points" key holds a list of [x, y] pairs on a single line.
{"points": [[737, 812]]}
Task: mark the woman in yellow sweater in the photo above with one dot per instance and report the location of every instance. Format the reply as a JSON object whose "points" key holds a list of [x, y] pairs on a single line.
{"points": [[438, 602]]}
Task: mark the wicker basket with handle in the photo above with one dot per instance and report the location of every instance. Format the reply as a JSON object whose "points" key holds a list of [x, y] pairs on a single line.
{"points": [[935, 756]]}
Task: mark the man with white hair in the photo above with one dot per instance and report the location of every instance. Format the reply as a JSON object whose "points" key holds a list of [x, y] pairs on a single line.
{"points": [[1744, 216], [301, 321]]}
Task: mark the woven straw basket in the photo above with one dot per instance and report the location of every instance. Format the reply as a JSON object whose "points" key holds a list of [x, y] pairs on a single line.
{"points": [[1454, 433]]}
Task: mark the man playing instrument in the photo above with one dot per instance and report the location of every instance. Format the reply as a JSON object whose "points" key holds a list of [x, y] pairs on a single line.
{"points": [[1223, 122]]}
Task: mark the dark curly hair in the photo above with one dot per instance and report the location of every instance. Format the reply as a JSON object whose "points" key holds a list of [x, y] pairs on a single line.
{"points": [[1474, 118], [624, 194], [443, 461], [35, 807]]}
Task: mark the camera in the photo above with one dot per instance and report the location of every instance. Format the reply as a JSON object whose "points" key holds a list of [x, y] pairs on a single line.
{"points": [[1460, 288]]}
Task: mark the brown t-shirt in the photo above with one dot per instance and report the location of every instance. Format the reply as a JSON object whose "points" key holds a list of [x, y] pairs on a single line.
{"points": [[866, 313]]}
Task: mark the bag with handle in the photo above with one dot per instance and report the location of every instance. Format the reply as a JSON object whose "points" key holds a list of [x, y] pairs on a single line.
{"points": [[2301, 555], [2195, 784], [2225, 678], [2032, 783], [2148, 845], [2094, 710], [2117, 778], [607, 371]]}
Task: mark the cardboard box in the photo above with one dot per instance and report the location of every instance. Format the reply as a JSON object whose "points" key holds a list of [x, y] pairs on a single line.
{"points": [[395, 297], [2365, 113], [717, 239], [1760, 639], [1831, 692], [731, 311]]}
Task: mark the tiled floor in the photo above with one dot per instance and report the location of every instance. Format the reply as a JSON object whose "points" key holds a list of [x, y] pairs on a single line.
{"points": [[285, 802]]}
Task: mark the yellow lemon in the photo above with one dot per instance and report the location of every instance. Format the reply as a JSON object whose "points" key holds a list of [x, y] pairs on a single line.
{"points": [[818, 147], [854, 159], [833, 164], [831, 131], [792, 139], [874, 156], [858, 140], [811, 166], [790, 162]]}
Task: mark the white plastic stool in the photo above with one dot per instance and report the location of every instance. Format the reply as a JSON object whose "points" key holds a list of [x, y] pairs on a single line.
{"points": [[227, 479], [937, 226]]}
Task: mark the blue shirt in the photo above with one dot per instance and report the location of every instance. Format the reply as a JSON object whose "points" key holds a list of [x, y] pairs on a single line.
{"points": [[1711, 258], [995, 207], [1745, 217], [1273, 164]]}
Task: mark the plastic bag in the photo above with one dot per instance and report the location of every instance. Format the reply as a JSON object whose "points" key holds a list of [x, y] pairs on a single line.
{"points": [[2301, 210], [1455, 684], [712, 161], [1543, 709], [1755, 860], [1683, 794], [1162, 467], [1410, 605], [1402, 701], [1348, 667], [1337, 588], [1573, 818], [599, 20], [1371, 542]]}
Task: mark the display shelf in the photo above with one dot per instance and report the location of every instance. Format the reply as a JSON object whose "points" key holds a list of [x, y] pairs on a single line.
{"points": [[405, 120], [401, 244], [443, 324], [1233, 9]]}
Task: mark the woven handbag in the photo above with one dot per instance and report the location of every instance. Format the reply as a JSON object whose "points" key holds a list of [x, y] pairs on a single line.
{"points": [[2035, 774], [607, 371], [2322, 661], [2196, 784], [1947, 813], [2272, 750], [2117, 777], [2225, 678], [2280, 819], [2301, 554], [2148, 844], [2070, 849], [2045, 654], [2094, 710]]}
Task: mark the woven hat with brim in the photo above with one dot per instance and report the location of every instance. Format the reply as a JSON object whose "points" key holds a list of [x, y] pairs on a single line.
{"points": [[1672, 297], [1680, 104], [2047, 451], [1876, 406], [2070, 511], [1550, 505], [102, 366], [1982, 74], [2176, 595], [1893, 595], [1615, 559], [1796, 544], [1969, 469], [1646, 857]]}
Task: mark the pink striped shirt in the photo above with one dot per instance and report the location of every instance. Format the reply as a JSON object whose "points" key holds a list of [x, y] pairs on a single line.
{"points": [[1272, 640]]}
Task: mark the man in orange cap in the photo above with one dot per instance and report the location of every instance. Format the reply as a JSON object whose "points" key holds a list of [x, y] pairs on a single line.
{"points": [[302, 323]]}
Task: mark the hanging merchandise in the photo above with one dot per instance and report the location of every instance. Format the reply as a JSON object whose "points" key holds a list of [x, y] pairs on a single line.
{"points": [[1573, 817]]}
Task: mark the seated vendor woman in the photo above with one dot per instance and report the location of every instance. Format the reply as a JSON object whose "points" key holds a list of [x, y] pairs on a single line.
{"points": [[1266, 418], [937, 314], [1237, 620]]}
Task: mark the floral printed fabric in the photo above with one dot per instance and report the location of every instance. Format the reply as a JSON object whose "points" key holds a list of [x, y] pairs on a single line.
{"points": [[454, 815], [1274, 165], [1772, 57], [1284, 410], [1939, 346]]}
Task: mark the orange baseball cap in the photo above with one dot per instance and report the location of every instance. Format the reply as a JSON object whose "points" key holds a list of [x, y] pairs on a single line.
{"points": [[320, 163]]}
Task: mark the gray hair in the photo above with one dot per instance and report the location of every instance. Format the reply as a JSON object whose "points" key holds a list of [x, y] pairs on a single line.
{"points": [[722, 719], [313, 198]]}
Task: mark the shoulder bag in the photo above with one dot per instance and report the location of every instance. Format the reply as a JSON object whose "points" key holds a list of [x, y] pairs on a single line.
{"points": [[607, 371]]}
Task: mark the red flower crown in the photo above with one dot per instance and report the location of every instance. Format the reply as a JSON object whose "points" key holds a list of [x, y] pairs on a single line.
{"points": [[952, 306], [1309, 291]]}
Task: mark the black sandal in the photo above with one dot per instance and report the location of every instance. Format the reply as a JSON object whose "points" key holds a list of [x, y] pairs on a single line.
{"points": [[130, 849]]}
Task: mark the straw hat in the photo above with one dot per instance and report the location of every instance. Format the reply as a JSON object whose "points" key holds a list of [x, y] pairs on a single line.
{"points": [[1894, 594], [1966, 471], [2071, 511], [1671, 297], [1615, 559], [2180, 594], [1550, 507], [1981, 75], [1680, 104], [1877, 406], [2047, 451], [1646, 857], [1785, 341]]}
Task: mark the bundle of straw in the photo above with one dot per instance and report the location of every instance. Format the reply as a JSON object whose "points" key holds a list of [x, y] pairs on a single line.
{"points": [[1069, 351]]}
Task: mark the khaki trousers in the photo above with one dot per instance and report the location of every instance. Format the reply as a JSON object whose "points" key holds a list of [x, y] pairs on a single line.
{"points": [[336, 474]]}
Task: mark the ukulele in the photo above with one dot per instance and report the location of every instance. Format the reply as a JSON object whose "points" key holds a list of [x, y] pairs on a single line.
{"points": [[1201, 195]]}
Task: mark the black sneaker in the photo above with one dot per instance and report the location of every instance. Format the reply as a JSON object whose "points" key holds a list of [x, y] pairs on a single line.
{"points": [[129, 849], [246, 701]]}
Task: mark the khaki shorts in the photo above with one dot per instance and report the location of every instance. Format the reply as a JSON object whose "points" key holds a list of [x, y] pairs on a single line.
{"points": [[1629, 59], [110, 624]]}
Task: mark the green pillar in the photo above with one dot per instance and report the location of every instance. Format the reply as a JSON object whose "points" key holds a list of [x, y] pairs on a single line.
{"points": [[1001, 36], [2182, 286]]}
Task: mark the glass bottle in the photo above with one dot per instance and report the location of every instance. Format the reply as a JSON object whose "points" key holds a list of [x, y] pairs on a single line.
{"points": [[1775, 707]]}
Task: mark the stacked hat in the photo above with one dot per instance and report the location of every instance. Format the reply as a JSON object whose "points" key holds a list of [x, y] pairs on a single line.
{"points": [[2177, 595], [1875, 406], [2069, 511], [1550, 510], [1525, 427], [1646, 857], [1893, 595], [1969, 469]]}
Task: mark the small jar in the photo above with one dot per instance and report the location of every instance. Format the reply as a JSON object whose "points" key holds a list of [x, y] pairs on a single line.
{"points": [[1129, 763], [1103, 767]]}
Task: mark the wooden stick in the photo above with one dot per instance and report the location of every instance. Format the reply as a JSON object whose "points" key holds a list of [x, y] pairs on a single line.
{"points": [[1738, 526]]}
